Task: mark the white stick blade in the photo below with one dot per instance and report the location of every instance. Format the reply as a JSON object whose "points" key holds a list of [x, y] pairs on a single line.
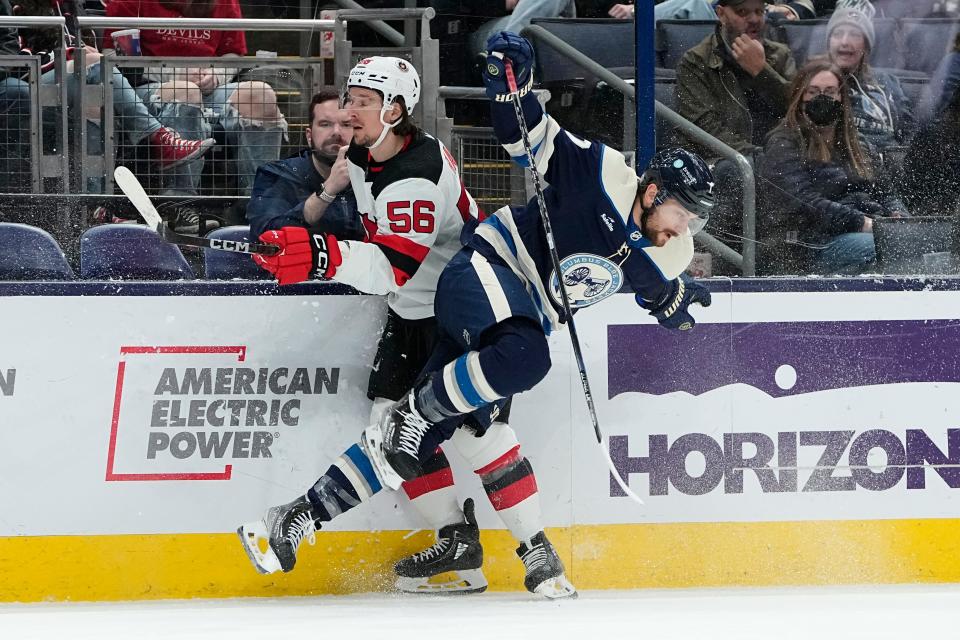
{"points": [[130, 186]]}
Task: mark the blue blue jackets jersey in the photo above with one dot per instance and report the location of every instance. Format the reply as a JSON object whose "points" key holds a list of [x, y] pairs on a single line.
{"points": [[590, 191]]}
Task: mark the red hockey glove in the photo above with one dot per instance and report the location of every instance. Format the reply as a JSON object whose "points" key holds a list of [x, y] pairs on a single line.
{"points": [[303, 255]]}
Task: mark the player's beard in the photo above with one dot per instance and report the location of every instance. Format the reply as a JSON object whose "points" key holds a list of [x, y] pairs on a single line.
{"points": [[366, 138]]}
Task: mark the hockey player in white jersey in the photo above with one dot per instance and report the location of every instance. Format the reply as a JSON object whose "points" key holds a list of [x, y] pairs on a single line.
{"points": [[415, 208]]}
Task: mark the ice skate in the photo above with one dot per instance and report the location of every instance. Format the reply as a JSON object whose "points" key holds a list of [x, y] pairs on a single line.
{"points": [[394, 443], [544, 569], [271, 543], [372, 442], [451, 565]]}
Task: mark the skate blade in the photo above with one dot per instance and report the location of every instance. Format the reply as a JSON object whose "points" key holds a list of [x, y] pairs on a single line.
{"points": [[556, 588], [453, 583], [256, 542], [372, 440]]}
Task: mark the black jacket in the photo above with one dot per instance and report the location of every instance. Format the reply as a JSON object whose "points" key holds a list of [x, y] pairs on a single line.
{"points": [[815, 201], [279, 191]]}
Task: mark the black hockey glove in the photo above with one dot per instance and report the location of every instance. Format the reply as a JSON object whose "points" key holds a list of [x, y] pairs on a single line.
{"points": [[671, 311]]}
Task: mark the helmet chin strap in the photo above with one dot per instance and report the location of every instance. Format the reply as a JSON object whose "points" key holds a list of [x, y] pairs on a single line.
{"points": [[387, 126]]}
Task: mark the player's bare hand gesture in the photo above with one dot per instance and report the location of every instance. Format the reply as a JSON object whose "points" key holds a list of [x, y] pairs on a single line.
{"points": [[749, 54], [339, 178]]}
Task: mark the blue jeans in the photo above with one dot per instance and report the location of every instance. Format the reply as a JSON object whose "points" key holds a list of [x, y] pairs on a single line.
{"points": [[523, 13], [684, 10], [249, 143], [188, 121], [847, 254], [133, 118]]}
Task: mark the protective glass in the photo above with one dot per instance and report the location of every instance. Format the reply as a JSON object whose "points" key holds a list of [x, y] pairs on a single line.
{"points": [[696, 220], [697, 223]]}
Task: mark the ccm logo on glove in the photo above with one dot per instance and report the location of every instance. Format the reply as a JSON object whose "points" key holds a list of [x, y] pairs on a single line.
{"points": [[303, 255]]}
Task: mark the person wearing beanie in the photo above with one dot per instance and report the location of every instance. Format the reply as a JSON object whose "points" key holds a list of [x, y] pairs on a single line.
{"points": [[882, 111]]}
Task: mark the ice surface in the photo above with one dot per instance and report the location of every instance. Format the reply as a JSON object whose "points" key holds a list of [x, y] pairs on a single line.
{"points": [[849, 613]]}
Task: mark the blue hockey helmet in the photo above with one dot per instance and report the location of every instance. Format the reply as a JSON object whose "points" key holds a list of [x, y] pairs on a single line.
{"points": [[685, 177]]}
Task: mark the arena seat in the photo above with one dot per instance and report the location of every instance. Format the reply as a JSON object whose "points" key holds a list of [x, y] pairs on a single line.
{"points": [[607, 42], [130, 252], [806, 38], [913, 83], [915, 246], [927, 41], [30, 253], [224, 265], [673, 38], [888, 52], [575, 92], [905, 8]]}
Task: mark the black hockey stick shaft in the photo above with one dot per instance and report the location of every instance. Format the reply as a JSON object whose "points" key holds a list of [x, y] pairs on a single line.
{"points": [[218, 244], [555, 259], [132, 188]]}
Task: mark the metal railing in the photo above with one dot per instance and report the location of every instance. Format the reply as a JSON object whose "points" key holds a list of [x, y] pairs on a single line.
{"points": [[84, 100], [216, 24], [22, 125], [745, 262], [486, 169]]}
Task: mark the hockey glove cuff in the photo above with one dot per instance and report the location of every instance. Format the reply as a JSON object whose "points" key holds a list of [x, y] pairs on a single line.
{"points": [[671, 312], [303, 255], [519, 51]]}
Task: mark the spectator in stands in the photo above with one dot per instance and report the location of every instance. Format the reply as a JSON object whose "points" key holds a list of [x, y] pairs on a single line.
{"points": [[734, 86], [943, 85], [704, 9], [246, 111], [284, 189], [932, 165], [519, 15], [620, 9], [882, 111], [132, 116], [801, 9], [820, 188]]}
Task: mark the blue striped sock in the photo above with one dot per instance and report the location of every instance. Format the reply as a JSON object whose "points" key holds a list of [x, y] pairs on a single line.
{"points": [[349, 481]]}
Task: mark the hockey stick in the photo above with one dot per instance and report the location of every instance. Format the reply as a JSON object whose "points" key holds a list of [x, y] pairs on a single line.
{"points": [[555, 259], [132, 188]]}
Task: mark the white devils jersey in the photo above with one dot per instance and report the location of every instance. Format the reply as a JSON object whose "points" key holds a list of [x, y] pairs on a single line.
{"points": [[414, 208]]}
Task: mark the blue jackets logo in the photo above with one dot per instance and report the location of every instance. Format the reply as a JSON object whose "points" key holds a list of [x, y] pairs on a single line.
{"points": [[587, 278]]}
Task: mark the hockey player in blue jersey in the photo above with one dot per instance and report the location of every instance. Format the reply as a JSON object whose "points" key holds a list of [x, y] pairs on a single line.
{"points": [[498, 300]]}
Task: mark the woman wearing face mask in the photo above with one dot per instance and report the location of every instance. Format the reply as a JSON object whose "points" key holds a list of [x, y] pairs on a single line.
{"points": [[819, 186]]}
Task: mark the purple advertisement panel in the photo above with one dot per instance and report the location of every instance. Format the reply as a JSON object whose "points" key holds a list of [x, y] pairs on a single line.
{"points": [[806, 407], [782, 358]]}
